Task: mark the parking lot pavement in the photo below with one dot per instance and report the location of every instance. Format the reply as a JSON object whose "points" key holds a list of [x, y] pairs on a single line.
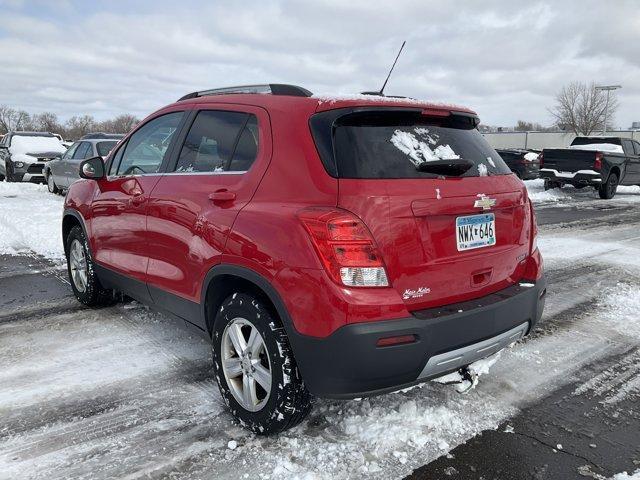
{"points": [[31, 285], [124, 392], [589, 428]]}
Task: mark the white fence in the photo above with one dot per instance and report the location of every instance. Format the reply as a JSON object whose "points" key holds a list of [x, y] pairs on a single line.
{"points": [[540, 140]]}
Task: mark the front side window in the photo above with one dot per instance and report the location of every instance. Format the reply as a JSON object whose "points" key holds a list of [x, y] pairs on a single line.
{"points": [[71, 151], [148, 146], [83, 151], [219, 141]]}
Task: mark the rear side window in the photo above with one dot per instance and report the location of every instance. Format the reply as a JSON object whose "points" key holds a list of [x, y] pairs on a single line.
{"points": [[219, 141], [627, 146], [104, 148], [392, 144]]}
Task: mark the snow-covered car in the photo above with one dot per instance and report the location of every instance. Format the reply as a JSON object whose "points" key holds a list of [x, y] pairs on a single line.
{"points": [[62, 171], [523, 163], [23, 155]]}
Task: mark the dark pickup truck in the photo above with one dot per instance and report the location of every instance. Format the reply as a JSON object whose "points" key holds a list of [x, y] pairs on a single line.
{"points": [[599, 162]]}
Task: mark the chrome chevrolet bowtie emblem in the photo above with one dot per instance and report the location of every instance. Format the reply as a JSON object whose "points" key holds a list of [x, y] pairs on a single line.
{"points": [[484, 202]]}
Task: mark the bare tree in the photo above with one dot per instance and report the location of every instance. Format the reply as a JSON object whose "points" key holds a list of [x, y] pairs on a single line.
{"points": [[581, 108], [77, 126], [12, 119], [124, 123], [46, 122]]}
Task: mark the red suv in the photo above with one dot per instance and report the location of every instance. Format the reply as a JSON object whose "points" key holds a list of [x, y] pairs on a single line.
{"points": [[337, 247]]}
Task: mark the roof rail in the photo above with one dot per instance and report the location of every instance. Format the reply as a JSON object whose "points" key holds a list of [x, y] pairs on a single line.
{"points": [[268, 88], [98, 135]]}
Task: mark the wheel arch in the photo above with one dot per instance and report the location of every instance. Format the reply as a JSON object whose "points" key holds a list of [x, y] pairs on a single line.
{"points": [[615, 169], [70, 219], [222, 280]]}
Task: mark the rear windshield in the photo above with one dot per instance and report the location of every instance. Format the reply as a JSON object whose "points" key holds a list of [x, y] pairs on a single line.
{"points": [[402, 145]]}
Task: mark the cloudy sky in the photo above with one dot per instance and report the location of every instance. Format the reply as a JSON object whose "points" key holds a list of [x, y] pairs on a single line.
{"points": [[504, 58]]}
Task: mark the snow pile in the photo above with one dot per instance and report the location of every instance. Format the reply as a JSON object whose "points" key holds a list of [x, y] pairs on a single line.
{"points": [[419, 150], [531, 156], [30, 220], [35, 145], [626, 476], [599, 147], [537, 193]]}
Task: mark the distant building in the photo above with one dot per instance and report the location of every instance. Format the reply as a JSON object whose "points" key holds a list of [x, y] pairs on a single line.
{"points": [[635, 126]]}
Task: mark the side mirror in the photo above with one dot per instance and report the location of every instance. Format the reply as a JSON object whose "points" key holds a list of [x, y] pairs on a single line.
{"points": [[92, 169]]}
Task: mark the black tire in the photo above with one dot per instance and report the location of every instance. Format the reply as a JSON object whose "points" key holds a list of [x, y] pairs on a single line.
{"points": [[609, 188], [1, 177], [9, 171], [51, 184], [93, 294], [549, 184], [288, 402]]}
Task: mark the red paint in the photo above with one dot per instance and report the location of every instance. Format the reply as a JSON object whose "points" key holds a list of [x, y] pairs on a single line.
{"points": [[169, 230]]}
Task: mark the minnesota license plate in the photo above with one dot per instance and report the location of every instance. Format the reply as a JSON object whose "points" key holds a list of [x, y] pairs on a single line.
{"points": [[475, 231]]}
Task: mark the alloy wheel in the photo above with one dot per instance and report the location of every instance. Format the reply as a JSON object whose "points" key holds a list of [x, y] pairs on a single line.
{"points": [[246, 365], [78, 265]]}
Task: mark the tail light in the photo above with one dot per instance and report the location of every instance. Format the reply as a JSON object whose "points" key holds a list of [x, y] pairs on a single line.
{"points": [[534, 229], [597, 164], [345, 247], [541, 159]]}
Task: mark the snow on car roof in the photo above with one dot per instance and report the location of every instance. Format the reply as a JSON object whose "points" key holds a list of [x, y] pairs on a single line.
{"points": [[31, 144], [332, 99], [600, 147]]}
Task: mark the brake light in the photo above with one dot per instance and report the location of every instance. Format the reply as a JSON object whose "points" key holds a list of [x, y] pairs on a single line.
{"points": [[597, 164], [434, 112], [541, 159], [345, 246]]}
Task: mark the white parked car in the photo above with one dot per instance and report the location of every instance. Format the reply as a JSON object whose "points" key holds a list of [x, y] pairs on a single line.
{"points": [[23, 155]]}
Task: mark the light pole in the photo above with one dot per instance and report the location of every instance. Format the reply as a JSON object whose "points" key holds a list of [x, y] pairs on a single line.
{"points": [[608, 89]]}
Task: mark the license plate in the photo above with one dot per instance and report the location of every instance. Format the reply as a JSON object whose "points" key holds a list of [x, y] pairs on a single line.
{"points": [[475, 231]]}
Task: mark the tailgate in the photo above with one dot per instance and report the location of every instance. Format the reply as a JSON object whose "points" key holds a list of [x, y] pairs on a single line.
{"points": [[414, 225], [568, 160]]}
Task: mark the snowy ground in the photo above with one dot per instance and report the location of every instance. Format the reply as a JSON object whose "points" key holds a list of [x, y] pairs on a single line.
{"points": [[124, 392]]}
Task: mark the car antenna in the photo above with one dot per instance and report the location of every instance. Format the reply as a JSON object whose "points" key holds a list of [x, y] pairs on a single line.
{"points": [[381, 92]]}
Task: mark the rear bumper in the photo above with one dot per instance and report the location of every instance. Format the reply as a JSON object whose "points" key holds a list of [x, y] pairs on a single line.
{"points": [[348, 363], [582, 177]]}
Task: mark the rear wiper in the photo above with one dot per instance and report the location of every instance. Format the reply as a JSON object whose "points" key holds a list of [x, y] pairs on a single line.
{"points": [[454, 166]]}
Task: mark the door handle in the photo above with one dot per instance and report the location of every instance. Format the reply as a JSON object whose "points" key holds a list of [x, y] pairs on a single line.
{"points": [[221, 196]]}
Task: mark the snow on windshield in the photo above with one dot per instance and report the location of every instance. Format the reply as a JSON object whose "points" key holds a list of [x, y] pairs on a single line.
{"points": [[601, 147], [422, 146], [25, 145]]}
